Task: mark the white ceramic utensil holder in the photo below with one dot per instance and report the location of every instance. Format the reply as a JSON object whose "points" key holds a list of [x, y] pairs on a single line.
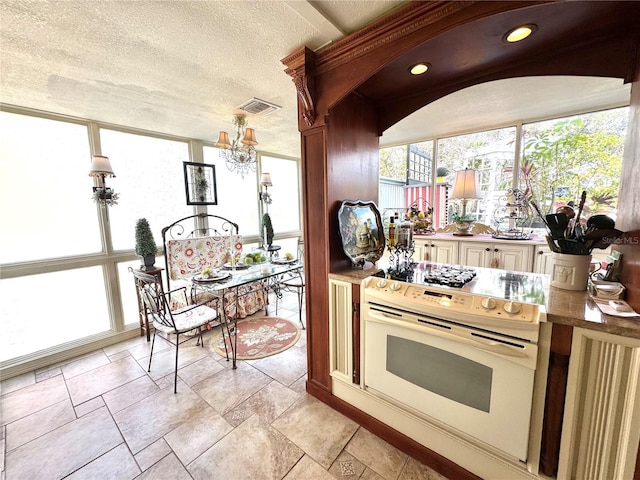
{"points": [[570, 272]]}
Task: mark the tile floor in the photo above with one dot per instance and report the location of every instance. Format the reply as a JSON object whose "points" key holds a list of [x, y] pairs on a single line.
{"points": [[102, 416]]}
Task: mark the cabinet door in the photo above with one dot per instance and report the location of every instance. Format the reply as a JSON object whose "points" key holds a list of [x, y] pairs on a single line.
{"points": [[444, 252], [476, 254], [421, 247], [340, 330], [542, 262], [512, 257]]}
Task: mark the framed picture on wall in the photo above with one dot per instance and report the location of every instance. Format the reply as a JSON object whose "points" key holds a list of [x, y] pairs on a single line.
{"points": [[200, 183]]}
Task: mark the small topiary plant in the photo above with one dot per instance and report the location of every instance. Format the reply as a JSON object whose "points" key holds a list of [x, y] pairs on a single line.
{"points": [[145, 244], [266, 225]]}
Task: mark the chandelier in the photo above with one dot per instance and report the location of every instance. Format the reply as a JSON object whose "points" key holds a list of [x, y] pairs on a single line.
{"points": [[240, 154]]}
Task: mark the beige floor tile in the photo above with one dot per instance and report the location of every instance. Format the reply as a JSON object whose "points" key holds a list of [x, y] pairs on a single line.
{"points": [[65, 449], [130, 393], [137, 347], [414, 470], [143, 423], [229, 388], [169, 468], [44, 375], [85, 364], [164, 362], [17, 382], [152, 454], [267, 404], [103, 379], [199, 370], [89, 406], [117, 464], [316, 428], [197, 434], [30, 399], [142, 349], [375, 453], [347, 467], [369, 474], [44, 421], [308, 469], [300, 385], [286, 367], [259, 453]]}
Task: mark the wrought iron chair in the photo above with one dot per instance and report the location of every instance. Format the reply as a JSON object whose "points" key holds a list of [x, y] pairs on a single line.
{"points": [[293, 282], [183, 320]]}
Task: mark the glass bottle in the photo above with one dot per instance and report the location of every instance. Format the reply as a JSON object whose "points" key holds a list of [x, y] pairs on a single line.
{"points": [[392, 232]]}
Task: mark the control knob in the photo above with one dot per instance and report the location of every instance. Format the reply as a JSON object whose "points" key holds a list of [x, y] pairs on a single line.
{"points": [[366, 281], [489, 303], [381, 283], [395, 285], [512, 307]]}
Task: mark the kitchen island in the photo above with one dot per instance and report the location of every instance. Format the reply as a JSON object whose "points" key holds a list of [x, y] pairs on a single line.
{"points": [[591, 410]]}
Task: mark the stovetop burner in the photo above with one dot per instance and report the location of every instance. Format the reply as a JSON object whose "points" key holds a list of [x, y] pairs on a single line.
{"points": [[449, 275]]}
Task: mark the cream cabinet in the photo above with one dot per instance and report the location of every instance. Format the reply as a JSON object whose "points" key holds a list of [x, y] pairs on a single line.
{"points": [[340, 330], [436, 250], [503, 255], [542, 261]]}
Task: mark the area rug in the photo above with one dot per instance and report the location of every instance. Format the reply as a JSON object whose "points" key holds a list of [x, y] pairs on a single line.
{"points": [[260, 337]]}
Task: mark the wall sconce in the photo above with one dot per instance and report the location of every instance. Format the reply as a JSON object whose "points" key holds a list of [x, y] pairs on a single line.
{"points": [[100, 169], [265, 196]]}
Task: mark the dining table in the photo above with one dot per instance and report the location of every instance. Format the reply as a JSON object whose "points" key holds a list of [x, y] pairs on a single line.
{"points": [[229, 278]]}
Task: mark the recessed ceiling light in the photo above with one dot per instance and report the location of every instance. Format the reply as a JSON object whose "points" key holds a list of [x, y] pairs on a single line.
{"points": [[519, 33], [419, 68]]}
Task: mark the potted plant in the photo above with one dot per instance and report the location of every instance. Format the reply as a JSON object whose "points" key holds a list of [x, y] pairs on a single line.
{"points": [[267, 230], [463, 222], [145, 244], [441, 173]]}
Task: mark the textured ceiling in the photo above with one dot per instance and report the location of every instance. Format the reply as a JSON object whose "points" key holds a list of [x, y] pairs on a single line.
{"points": [[181, 67]]}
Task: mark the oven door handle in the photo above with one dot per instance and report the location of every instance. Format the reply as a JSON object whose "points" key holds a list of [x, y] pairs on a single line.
{"points": [[479, 341]]}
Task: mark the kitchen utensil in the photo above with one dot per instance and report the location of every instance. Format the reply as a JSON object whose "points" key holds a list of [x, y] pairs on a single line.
{"points": [[601, 238], [557, 224], [552, 244], [572, 246], [577, 228], [535, 207], [595, 222], [567, 210]]}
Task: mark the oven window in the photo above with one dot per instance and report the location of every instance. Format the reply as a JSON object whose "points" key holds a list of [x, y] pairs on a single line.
{"points": [[443, 373]]}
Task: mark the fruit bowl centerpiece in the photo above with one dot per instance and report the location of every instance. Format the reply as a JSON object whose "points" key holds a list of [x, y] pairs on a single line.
{"points": [[421, 220], [254, 258]]}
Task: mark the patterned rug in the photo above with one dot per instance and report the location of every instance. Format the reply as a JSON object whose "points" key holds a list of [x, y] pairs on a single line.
{"points": [[261, 337]]}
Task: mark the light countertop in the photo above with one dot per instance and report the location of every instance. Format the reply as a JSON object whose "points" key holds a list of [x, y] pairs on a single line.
{"points": [[565, 307]]}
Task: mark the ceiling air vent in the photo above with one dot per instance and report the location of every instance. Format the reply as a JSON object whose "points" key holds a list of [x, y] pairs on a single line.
{"points": [[255, 106]]}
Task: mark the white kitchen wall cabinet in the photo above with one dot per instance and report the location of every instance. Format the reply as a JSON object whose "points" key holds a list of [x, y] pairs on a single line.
{"points": [[542, 260], [506, 256], [436, 250]]}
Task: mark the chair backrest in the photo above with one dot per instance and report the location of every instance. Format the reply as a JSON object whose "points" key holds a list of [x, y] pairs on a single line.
{"points": [[185, 244], [153, 297], [191, 255]]}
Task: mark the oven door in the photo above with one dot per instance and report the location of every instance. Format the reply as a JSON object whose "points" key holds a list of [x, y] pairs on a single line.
{"points": [[461, 383]]}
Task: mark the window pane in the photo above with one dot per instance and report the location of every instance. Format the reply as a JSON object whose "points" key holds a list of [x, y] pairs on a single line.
{"points": [[70, 305], [128, 290], [237, 196], [285, 207], [150, 181], [45, 190], [564, 157], [393, 163], [492, 154]]}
